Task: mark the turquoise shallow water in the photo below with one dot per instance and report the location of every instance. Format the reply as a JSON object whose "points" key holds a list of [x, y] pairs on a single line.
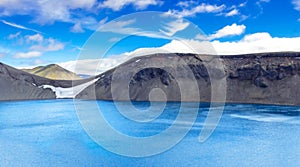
{"points": [[48, 133]]}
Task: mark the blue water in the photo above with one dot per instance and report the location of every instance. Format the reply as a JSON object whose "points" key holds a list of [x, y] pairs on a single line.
{"points": [[48, 133]]}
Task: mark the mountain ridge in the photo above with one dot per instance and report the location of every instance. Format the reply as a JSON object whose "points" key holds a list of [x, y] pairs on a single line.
{"points": [[266, 78], [53, 71], [16, 84]]}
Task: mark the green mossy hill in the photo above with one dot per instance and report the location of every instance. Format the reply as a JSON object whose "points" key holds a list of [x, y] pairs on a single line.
{"points": [[53, 71]]}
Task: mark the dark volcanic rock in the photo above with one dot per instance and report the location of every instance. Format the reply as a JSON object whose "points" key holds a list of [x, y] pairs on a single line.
{"points": [[248, 72], [19, 85], [268, 78], [199, 70], [260, 82]]}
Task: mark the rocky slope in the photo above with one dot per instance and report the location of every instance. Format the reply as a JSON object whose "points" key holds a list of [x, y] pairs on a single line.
{"points": [[19, 85], [267, 78], [53, 71]]}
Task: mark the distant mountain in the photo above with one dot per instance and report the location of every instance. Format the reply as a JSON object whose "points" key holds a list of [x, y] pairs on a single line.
{"points": [[53, 71], [16, 84], [19, 85]]}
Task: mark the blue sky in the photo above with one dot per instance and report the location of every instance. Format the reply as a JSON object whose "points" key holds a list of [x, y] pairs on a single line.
{"points": [[38, 32]]}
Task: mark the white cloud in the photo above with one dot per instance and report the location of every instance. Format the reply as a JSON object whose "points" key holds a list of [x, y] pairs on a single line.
{"points": [[80, 24], [229, 30], [257, 37], [94, 67], [260, 5], [90, 66], [54, 45], [192, 8], [4, 50], [48, 45], [175, 46], [35, 38], [143, 4], [185, 4], [251, 43], [39, 43], [256, 43], [114, 39], [27, 55], [77, 28], [49, 11], [11, 7], [296, 4], [103, 21], [117, 5], [266, 1], [19, 26], [45, 11], [202, 8], [128, 27], [119, 27], [232, 13], [243, 4], [244, 17], [173, 27], [13, 36], [89, 23]]}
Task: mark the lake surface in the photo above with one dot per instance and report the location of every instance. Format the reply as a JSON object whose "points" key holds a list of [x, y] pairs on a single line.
{"points": [[49, 133]]}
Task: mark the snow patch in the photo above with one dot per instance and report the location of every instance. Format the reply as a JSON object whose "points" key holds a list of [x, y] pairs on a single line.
{"points": [[68, 92]]}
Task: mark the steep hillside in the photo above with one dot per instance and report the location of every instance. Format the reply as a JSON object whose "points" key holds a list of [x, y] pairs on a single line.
{"points": [[267, 78], [19, 85], [53, 71]]}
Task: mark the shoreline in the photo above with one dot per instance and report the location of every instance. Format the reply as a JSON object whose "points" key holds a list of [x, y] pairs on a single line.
{"points": [[200, 102]]}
